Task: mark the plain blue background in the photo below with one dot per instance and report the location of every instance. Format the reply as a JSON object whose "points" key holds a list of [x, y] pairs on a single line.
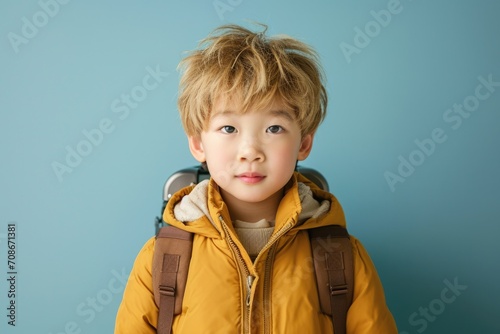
{"points": [[78, 234]]}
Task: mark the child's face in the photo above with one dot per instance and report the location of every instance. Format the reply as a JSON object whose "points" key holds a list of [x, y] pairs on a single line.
{"points": [[251, 156]]}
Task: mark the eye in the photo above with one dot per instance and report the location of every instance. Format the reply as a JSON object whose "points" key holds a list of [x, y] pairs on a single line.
{"points": [[275, 129], [228, 129]]}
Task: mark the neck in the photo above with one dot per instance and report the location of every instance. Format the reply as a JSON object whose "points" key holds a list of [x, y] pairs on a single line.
{"points": [[253, 211]]}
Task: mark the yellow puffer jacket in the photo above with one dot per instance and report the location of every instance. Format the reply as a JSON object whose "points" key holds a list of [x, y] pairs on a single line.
{"points": [[226, 293]]}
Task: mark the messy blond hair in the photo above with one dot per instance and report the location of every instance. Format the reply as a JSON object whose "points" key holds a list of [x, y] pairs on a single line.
{"points": [[233, 61]]}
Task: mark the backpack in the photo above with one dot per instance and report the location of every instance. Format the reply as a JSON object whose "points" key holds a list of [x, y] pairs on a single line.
{"points": [[330, 247]]}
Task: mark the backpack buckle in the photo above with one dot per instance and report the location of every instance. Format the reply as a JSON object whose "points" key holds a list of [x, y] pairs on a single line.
{"points": [[338, 290], [167, 291]]}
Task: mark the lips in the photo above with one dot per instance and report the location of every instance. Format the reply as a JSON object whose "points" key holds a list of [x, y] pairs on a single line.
{"points": [[250, 178]]}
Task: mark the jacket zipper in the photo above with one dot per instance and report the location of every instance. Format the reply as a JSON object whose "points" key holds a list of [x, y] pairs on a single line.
{"points": [[245, 276], [267, 275], [248, 278]]}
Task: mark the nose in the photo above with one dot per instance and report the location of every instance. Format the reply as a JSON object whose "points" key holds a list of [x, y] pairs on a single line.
{"points": [[251, 150]]}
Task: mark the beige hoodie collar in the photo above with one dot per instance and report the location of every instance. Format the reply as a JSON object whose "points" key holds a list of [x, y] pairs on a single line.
{"points": [[193, 207]]}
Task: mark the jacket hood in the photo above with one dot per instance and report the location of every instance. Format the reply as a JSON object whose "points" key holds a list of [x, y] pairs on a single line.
{"points": [[199, 208]]}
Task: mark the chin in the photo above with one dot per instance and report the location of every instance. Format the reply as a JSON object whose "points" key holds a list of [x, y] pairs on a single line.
{"points": [[256, 196]]}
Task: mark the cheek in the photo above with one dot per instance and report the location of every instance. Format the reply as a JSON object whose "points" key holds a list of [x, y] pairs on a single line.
{"points": [[221, 170], [289, 149], [220, 162], [285, 155], [219, 152]]}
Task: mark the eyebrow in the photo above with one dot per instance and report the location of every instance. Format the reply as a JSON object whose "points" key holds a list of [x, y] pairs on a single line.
{"points": [[283, 113]]}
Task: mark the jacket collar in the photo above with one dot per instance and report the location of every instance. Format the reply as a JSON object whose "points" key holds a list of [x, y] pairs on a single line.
{"points": [[199, 208]]}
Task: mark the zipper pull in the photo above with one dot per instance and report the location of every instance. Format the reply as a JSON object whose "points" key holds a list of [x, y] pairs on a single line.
{"points": [[250, 279]]}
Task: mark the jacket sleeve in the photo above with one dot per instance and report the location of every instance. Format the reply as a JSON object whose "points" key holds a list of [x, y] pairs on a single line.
{"points": [[368, 312], [138, 313]]}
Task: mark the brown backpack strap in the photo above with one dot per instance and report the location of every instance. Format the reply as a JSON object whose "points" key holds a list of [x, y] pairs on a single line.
{"points": [[171, 258], [333, 264]]}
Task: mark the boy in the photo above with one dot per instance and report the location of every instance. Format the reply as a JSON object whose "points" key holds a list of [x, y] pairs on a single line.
{"points": [[250, 106]]}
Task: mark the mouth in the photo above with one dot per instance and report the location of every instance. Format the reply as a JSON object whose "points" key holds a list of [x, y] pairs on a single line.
{"points": [[250, 178]]}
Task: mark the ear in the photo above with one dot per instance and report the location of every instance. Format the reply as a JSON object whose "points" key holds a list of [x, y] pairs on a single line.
{"points": [[196, 148], [305, 146]]}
